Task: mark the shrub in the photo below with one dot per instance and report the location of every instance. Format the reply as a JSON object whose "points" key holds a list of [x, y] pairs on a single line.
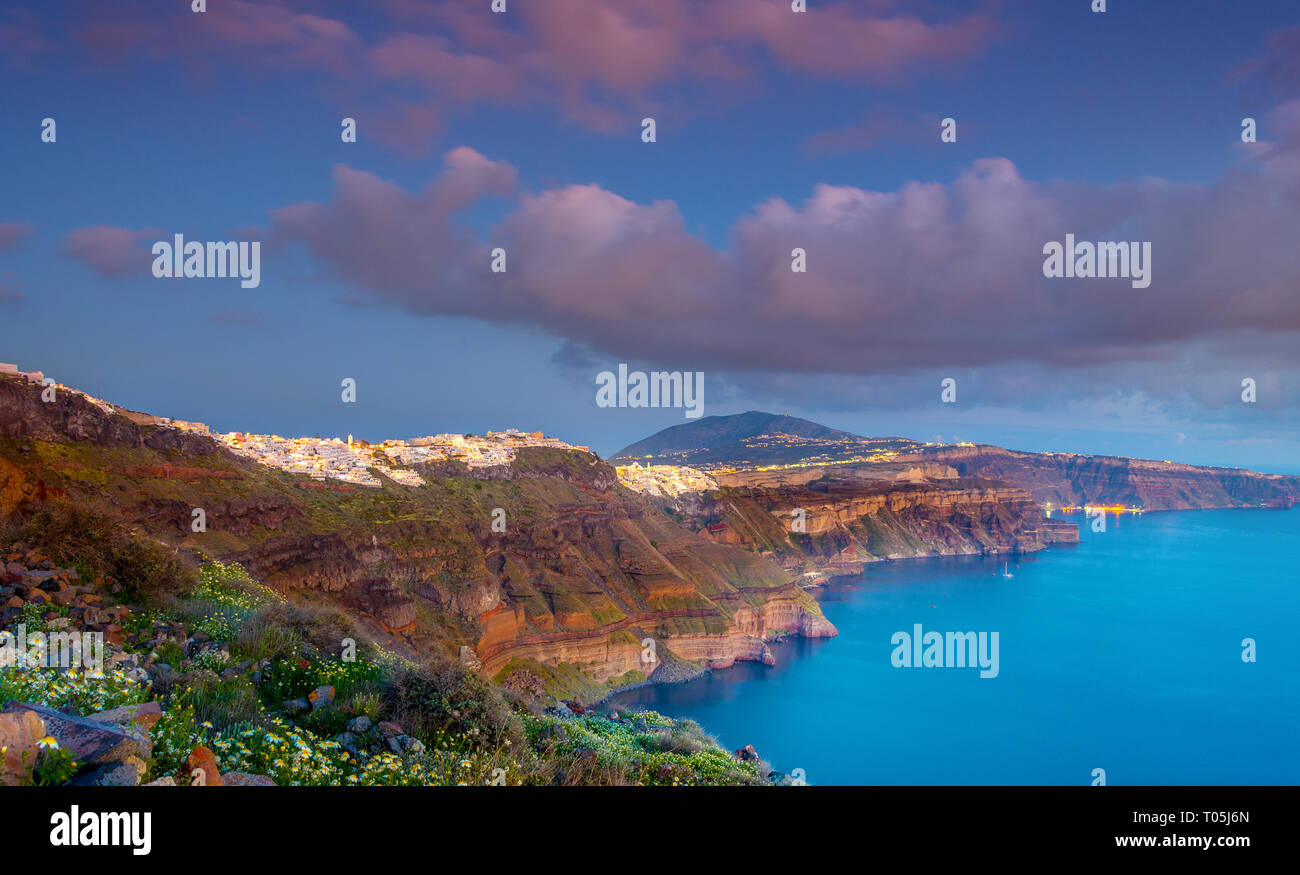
{"points": [[443, 703], [97, 546], [225, 703]]}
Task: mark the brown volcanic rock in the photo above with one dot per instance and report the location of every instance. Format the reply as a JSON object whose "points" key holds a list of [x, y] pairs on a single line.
{"points": [[72, 418], [89, 742], [18, 489], [391, 605], [853, 521], [1072, 479]]}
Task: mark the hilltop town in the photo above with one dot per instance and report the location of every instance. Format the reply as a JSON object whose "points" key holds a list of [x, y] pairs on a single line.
{"points": [[664, 480], [351, 461]]}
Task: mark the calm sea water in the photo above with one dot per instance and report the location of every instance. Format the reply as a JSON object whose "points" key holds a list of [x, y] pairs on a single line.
{"points": [[1123, 653]]}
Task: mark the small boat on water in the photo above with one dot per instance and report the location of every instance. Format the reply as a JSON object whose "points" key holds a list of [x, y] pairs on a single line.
{"points": [[1006, 570]]}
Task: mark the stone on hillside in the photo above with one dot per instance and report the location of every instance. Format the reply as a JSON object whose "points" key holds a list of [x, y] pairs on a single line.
{"points": [[469, 658], [525, 683], [405, 744], [108, 775], [389, 603], [244, 779], [295, 706], [359, 724], [19, 733], [202, 761], [386, 729], [166, 781], [349, 741], [146, 715], [88, 742], [321, 697]]}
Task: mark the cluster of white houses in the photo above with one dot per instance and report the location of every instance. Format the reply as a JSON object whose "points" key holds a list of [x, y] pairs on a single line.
{"points": [[12, 370], [664, 480], [353, 461]]}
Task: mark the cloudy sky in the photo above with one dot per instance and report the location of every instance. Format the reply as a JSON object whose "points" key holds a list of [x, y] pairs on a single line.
{"points": [[775, 130]]}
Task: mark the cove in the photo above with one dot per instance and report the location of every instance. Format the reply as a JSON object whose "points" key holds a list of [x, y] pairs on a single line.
{"points": [[1123, 653]]}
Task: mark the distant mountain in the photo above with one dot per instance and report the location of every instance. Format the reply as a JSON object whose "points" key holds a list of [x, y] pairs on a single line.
{"points": [[713, 432], [753, 438], [763, 444]]}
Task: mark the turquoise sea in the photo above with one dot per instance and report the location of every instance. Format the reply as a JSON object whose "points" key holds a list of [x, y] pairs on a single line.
{"points": [[1123, 653]]}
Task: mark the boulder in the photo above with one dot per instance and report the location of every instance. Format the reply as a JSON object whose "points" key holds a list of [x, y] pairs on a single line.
{"points": [[203, 761], [89, 742], [321, 697], [359, 724], [145, 715], [469, 658], [405, 744], [349, 741], [19, 733], [108, 775], [385, 730], [244, 779]]}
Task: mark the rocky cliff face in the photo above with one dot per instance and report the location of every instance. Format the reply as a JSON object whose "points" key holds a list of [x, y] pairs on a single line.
{"points": [[1070, 479], [841, 525], [583, 573]]}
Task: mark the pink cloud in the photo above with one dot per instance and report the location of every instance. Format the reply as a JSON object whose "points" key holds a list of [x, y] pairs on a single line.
{"points": [[876, 129], [601, 64], [839, 40], [22, 39], [927, 275], [12, 296], [239, 317], [111, 252], [12, 234], [385, 240]]}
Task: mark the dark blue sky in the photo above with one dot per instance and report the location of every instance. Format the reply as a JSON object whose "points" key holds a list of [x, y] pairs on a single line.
{"points": [[819, 130]]}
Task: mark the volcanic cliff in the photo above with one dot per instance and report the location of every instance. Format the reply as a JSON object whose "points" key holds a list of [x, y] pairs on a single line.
{"points": [[1075, 479], [589, 583], [840, 523]]}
